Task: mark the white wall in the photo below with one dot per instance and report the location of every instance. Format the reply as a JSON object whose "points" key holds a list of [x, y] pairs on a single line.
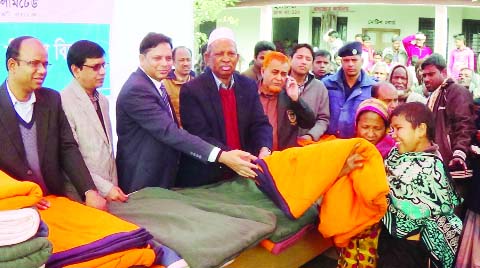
{"points": [[244, 22], [132, 20], [405, 17]]}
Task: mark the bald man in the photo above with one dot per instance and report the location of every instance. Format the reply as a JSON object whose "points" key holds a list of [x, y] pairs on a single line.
{"points": [[387, 93]]}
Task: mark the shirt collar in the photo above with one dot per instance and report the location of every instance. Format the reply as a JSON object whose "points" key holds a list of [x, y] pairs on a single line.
{"points": [[155, 82], [218, 82], [31, 101]]}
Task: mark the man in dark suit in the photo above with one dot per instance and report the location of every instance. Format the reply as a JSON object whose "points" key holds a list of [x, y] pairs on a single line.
{"points": [[36, 139], [149, 139], [223, 108]]}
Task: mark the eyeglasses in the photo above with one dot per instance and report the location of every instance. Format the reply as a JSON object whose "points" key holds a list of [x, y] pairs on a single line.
{"points": [[35, 63], [96, 67]]}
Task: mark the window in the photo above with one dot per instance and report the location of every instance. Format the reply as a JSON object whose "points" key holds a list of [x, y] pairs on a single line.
{"points": [[471, 29], [427, 26]]}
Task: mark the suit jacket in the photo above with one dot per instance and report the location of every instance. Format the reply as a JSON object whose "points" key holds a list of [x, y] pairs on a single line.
{"points": [[291, 117], [57, 149], [149, 140], [94, 144], [202, 115]]}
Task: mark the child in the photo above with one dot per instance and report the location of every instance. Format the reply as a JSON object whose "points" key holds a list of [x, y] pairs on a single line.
{"points": [[420, 228]]}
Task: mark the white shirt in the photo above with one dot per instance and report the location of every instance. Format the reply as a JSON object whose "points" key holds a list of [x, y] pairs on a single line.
{"points": [[23, 108]]}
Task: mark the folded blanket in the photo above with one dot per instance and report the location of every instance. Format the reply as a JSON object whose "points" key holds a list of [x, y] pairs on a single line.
{"points": [[16, 194], [204, 231], [29, 254], [295, 178], [80, 234], [278, 247], [18, 225]]}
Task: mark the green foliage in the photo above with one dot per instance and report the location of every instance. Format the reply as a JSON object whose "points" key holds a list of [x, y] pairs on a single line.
{"points": [[207, 10]]}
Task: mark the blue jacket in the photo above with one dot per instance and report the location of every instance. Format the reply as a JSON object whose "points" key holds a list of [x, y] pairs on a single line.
{"points": [[342, 109]]}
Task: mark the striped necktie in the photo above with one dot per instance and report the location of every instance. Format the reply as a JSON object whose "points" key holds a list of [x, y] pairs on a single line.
{"points": [[165, 99]]}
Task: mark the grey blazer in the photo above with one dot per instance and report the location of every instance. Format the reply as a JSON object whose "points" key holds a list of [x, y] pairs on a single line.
{"points": [[95, 145]]}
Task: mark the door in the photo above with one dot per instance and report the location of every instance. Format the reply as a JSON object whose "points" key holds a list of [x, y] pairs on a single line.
{"points": [[381, 38]]}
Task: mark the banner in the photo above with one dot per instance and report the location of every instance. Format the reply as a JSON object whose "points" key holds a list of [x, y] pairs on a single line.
{"points": [[58, 24]]}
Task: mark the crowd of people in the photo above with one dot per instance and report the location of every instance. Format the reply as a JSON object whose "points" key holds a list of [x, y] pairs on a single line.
{"points": [[180, 129]]}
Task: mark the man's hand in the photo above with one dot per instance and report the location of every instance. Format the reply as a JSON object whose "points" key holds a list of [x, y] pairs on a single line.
{"points": [[43, 204], [457, 164], [291, 88], [305, 138], [116, 194], [239, 161], [95, 200], [264, 152], [354, 161]]}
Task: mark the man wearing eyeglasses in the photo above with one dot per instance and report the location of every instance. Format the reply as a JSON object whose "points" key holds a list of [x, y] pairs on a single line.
{"points": [[87, 112], [37, 142]]}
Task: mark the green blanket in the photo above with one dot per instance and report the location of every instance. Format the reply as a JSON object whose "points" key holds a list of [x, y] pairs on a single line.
{"points": [[32, 253], [204, 232], [244, 192], [209, 225]]}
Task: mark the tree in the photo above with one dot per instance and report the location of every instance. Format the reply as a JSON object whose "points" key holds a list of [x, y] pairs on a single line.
{"points": [[207, 10]]}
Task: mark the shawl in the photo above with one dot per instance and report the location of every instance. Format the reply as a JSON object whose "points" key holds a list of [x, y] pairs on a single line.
{"points": [[422, 201]]}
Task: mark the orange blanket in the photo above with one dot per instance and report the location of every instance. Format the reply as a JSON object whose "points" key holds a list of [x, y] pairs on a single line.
{"points": [[297, 177], [16, 194], [72, 224]]}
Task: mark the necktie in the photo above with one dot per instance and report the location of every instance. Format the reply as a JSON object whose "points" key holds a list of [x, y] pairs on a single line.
{"points": [[164, 94]]}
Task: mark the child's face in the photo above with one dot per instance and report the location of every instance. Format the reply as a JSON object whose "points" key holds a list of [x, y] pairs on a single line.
{"points": [[408, 138]]}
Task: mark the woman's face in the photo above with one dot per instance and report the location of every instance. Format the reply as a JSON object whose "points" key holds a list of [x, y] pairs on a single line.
{"points": [[371, 127]]}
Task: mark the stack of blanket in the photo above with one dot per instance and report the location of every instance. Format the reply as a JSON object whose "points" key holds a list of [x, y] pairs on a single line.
{"points": [[23, 241], [81, 236], [86, 237]]}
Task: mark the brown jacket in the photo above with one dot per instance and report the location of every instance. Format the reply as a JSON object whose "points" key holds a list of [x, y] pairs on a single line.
{"points": [[454, 120]]}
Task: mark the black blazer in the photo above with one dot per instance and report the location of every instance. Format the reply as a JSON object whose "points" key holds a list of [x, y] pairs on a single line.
{"points": [[57, 149], [149, 140], [202, 115], [291, 116]]}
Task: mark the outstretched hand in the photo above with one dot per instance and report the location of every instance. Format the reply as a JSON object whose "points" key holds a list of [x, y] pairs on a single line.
{"points": [[116, 194], [354, 160], [240, 162]]}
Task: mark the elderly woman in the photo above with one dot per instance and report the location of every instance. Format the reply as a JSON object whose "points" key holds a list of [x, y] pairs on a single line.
{"points": [[371, 123]]}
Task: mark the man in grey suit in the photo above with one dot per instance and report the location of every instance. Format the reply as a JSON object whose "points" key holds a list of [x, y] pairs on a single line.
{"points": [[87, 112], [37, 142], [149, 138]]}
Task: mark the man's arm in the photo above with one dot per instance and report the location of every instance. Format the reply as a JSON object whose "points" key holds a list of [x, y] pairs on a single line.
{"points": [[71, 161], [461, 116], [322, 115], [260, 130], [407, 44], [143, 106]]}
